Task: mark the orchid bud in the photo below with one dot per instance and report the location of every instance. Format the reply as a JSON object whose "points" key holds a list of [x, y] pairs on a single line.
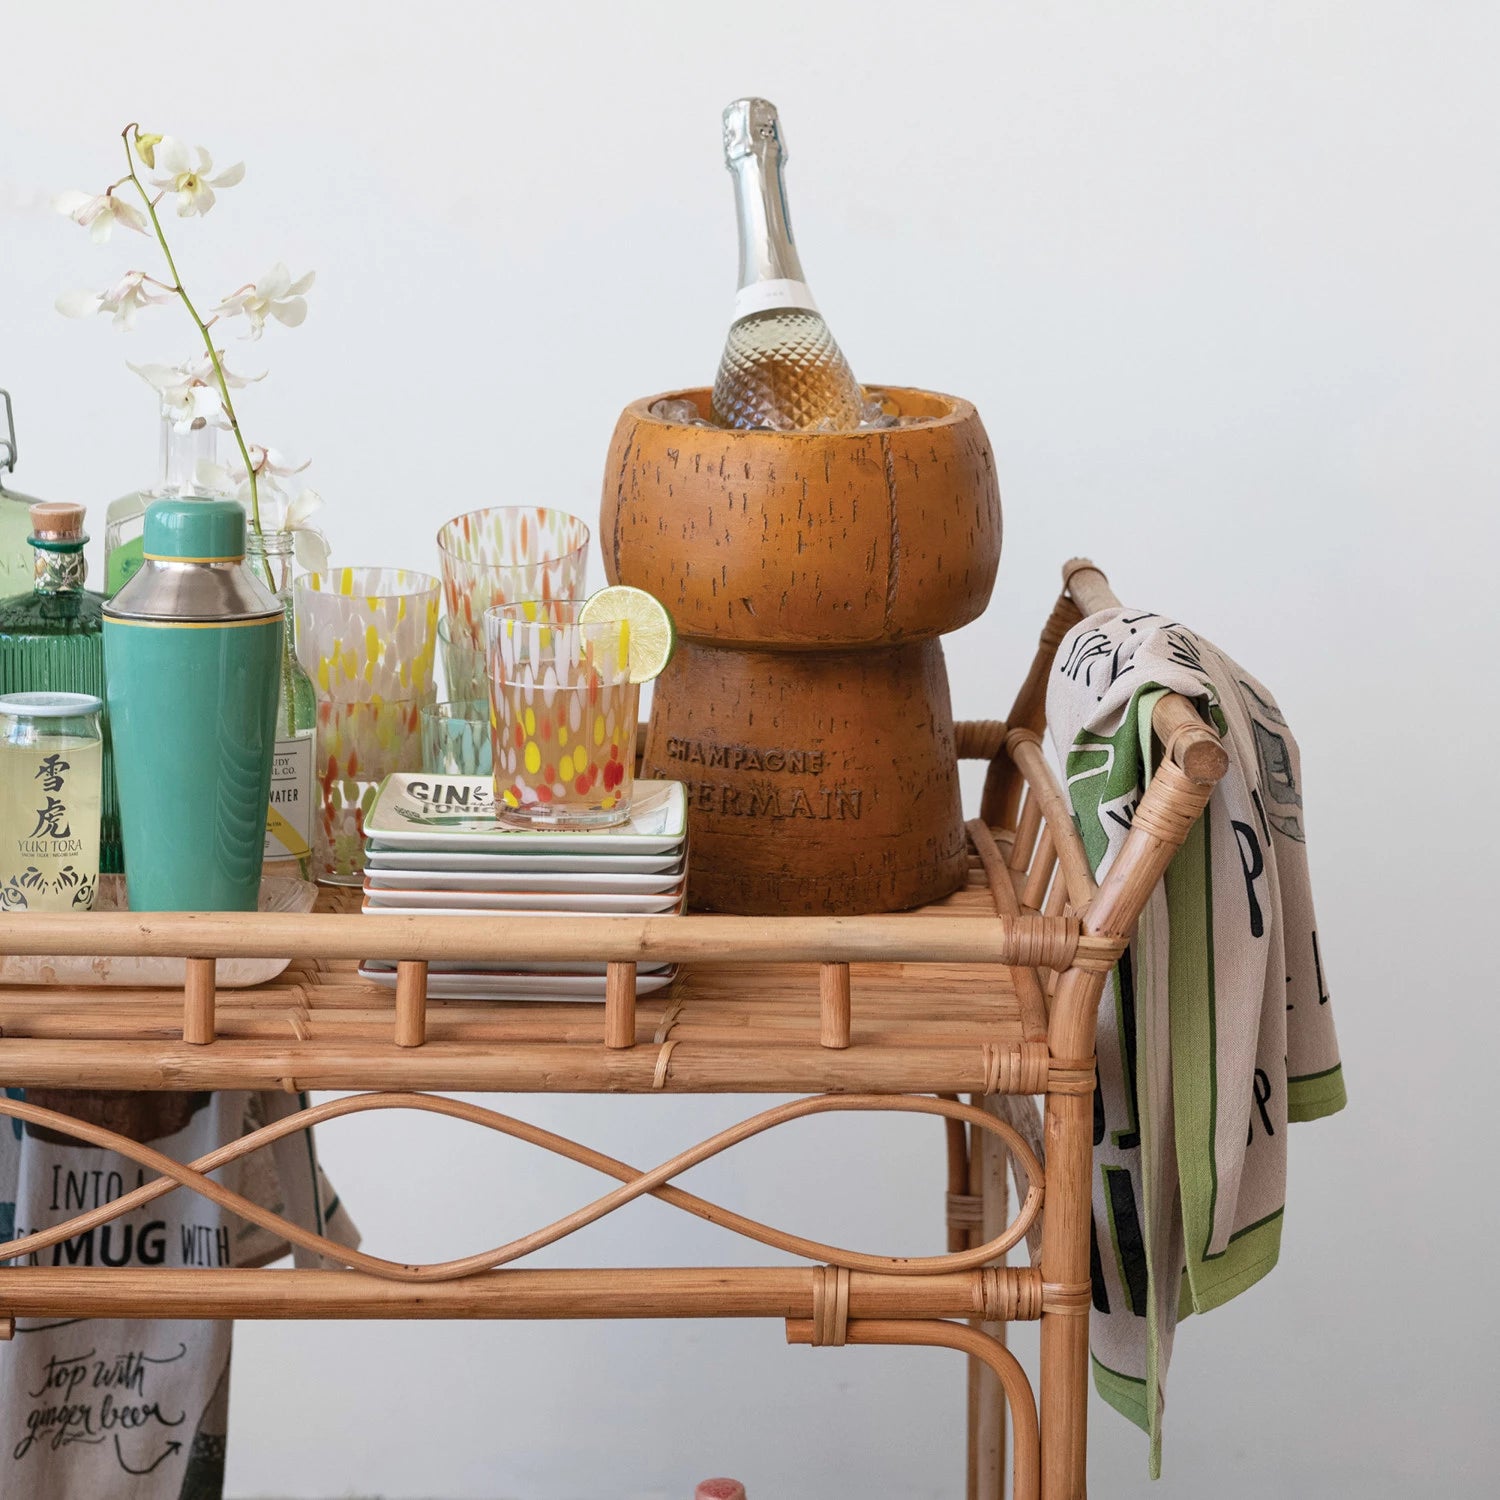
{"points": [[145, 148]]}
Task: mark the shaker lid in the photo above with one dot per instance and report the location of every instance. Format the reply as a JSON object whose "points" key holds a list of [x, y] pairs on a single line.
{"points": [[191, 570], [195, 531]]}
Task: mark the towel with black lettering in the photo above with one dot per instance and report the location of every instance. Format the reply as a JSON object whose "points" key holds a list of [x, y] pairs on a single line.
{"points": [[1215, 1028], [124, 1409]]}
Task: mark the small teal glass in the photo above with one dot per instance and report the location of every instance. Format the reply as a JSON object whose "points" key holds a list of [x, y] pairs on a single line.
{"points": [[456, 738]]}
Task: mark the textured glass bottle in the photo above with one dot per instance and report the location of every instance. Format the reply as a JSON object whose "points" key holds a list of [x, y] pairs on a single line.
{"points": [[51, 639], [268, 556], [125, 520], [15, 517], [781, 367]]}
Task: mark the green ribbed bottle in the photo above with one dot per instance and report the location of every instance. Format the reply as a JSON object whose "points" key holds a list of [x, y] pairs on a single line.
{"points": [[52, 640]]}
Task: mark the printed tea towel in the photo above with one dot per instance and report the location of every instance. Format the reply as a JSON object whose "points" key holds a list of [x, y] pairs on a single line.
{"points": [[1215, 1029], [96, 1409]]}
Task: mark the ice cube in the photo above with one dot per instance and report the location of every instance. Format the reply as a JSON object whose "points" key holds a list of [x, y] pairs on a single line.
{"points": [[673, 409], [875, 412]]}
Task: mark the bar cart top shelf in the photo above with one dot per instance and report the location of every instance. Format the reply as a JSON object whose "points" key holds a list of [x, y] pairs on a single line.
{"points": [[742, 1027]]}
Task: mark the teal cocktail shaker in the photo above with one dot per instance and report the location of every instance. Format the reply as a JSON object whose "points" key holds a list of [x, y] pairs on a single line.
{"points": [[192, 657]]}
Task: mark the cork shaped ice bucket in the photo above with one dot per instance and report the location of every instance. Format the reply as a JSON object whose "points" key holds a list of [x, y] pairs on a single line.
{"points": [[810, 576]]}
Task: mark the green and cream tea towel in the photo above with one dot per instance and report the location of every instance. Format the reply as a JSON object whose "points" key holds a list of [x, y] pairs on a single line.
{"points": [[1215, 1028], [105, 1409]]}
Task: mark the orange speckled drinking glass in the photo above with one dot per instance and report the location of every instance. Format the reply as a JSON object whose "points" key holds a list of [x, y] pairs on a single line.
{"points": [[507, 554], [562, 716]]}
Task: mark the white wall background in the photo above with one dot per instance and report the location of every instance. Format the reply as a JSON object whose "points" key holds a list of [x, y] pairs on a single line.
{"points": [[1221, 279]]}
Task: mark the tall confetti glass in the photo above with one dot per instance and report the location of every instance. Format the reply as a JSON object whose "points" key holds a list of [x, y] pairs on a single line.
{"points": [[508, 554], [564, 716], [464, 671], [367, 637]]}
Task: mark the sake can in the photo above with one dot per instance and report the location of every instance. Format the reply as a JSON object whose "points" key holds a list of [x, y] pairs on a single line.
{"points": [[51, 773]]}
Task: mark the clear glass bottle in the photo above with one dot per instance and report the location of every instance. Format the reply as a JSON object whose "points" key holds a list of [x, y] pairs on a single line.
{"points": [[268, 557], [125, 521], [52, 641], [15, 517], [781, 367]]}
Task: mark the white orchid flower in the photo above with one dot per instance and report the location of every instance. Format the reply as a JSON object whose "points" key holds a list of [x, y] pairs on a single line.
{"points": [[275, 295], [309, 545], [270, 467], [186, 170], [212, 478], [99, 213], [133, 291], [185, 398], [202, 370]]}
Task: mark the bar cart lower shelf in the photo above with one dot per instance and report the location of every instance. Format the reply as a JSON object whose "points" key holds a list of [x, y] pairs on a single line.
{"points": [[947, 1011]]}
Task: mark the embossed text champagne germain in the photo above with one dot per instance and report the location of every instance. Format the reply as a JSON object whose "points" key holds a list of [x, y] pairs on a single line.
{"points": [[562, 714]]}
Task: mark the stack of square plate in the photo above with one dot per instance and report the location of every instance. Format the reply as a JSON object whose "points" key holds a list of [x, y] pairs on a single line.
{"points": [[434, 847]]}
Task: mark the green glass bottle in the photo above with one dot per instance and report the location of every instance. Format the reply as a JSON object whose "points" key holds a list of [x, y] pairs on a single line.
{"points": [[268, 558], [15, 516], [51, 639]]}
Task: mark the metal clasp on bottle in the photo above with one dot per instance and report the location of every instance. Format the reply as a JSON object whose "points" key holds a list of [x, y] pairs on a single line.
{"points": [[8, 443]]}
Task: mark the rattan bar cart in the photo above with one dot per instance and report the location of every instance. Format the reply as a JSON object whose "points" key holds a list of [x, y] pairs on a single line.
{"points": [[991, 992]]}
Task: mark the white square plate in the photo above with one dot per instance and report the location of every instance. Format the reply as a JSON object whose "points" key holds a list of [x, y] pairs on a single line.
{"points": [[379, 966], [477, 882], [474, 903], [415, 810], [482, 985], [407, 861]]}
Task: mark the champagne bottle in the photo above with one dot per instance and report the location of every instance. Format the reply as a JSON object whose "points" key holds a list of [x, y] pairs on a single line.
{"points": [[781, 367]]}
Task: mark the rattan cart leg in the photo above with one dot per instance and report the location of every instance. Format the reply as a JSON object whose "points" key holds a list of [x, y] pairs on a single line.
{"points": [[989, 1436], [976, 1368], [944, 1335], [1065, 1335], [1065, 1262], [198, 1002]]}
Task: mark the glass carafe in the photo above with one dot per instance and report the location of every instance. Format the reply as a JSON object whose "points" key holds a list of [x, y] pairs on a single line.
{"points": [[183, 450]]}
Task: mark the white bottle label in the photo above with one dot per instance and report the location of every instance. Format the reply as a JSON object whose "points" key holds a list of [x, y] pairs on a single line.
{"points": [[761, 296], [289, 815]]}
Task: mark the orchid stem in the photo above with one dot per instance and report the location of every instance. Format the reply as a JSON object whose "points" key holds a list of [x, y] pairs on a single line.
{"points": [[208, 342], [287, 684]]}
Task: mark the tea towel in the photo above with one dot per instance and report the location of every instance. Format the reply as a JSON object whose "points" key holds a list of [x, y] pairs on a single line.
{"points": [[124, 1409], [1215, 1028]]}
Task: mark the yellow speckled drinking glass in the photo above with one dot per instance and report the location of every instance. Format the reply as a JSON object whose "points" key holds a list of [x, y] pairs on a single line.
{"points": [[367, 637]]}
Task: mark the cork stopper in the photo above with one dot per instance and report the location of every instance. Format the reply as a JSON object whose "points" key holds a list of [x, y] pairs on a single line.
{"points": [[720, 1489], [57, 521]]}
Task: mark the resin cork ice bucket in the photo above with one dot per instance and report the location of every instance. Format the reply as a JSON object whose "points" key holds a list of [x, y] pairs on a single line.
{"points": [[810, 576]]}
